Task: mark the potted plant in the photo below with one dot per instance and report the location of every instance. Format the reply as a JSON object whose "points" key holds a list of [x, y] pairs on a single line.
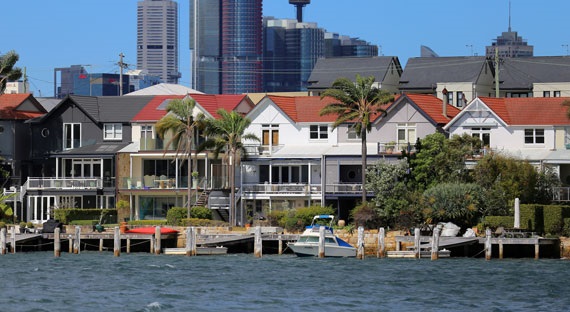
{"points": [[390, 146], [194, 179]]}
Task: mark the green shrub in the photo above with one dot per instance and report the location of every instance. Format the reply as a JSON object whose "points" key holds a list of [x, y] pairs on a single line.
{"points": [[175, 215], [68, 215], [554, 216], [566, 227], [277, 218], [365, 215], [200, 212], [494, 222], [202, 222], [532, 218], [2, 225], [297, 219], [148, 222]]}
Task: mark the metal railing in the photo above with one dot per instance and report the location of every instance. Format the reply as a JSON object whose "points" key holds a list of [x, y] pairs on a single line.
{"points": [[265, 150], [63, 183], [393, 147], [276, 189], [561, 194]]}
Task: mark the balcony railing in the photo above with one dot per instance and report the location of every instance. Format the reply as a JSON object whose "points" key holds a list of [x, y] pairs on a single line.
{"points": [[262, 149], [65, 183], [561, 194], [345, 188], [393, 147], [281, 189], [153, 182]]}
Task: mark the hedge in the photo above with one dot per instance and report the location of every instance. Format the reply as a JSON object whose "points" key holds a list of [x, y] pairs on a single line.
{"points": [[497, 221], [66, 216], [542, 219]]}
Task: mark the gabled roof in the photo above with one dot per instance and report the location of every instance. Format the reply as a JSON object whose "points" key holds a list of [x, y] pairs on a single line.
{"points": [[210, 103], [521, 72], [529, 111], [426, 72], [303, 108], [523, 111], [165, 89], [11, 107], [327, 70], [430, 106]]}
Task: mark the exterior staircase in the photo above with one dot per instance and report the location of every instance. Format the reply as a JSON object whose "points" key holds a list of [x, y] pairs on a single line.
{"points": [[202, 199]]}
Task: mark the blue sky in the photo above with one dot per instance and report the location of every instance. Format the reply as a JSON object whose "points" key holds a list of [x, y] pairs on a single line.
{"points": [[60, 33]]}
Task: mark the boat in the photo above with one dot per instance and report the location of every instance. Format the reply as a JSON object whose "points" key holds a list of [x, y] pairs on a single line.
{"points": [[151, 230], [308, 243], [200, 251]]}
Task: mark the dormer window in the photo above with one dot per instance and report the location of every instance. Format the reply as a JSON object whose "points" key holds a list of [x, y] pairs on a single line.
{"points": [[71, 135], [319, 132], [113, 132]]}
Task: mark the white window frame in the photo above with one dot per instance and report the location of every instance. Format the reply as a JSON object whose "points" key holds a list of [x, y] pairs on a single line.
{"points": [[480, 133], [70, 126], [406, 128], [351, 134], [321, 131], [535, 136], [112, 132]]}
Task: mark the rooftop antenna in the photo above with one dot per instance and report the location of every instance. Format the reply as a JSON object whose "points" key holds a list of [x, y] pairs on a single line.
{"points": [[509, 15]]}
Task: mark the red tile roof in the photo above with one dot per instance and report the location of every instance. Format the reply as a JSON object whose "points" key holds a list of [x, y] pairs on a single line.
{"points": [[9, 104], [210, 102], [530, 111], [433, 107]]}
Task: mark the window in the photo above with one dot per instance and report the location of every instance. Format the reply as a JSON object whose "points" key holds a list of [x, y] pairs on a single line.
{"points": [[113, 131], [483, 134], [146, 137], [270, 135], [546, 94], [556, 93], [450, 98], [319, 132], [351, 134], [460, 99], [406, 133], [71, 135], [534, 136]]}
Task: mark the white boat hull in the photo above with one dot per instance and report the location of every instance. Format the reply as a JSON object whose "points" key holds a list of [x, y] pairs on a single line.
{"points": [[312, 250], [200, 251]]}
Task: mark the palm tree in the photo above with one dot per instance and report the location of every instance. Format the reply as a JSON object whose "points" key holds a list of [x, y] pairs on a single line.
{"points": [[7, 70], [357, 103], [183, 123], [227, 134]]}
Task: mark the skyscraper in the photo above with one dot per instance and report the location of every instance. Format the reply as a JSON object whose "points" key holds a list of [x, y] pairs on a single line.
{"points": [[157, 38], [225, 38], [509, 44]]}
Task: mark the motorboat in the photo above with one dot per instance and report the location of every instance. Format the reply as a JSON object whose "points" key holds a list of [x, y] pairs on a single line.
{"points": [[308, 243]]}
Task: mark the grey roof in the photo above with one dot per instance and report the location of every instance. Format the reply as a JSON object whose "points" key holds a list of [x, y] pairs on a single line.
{"points": [[426, 72], [165, 89], [98, 149], [327, 70], [522, 72], [48, 103]]}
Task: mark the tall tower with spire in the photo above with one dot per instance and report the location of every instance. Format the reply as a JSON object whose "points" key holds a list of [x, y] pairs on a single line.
{"points": [[299, 4], [510, 44]]}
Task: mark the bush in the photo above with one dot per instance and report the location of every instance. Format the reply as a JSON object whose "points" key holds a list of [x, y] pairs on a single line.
{"points": [[365, 215], [566, 227], [202, 222], [147, 222], [68, 215], [297, 219], [200, 212], [554, 216], [277, 218], [494, 222], [2, 225], [175, 215]]}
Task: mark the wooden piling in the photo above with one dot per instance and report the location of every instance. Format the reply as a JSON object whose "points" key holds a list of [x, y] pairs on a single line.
{"points": [[191, 241], [70, 244], [536, 251], [280, 247], [56, 242], [101, 244], [321, 241], [158, 239], [13, 239], [151, 243], [77, 240], [381, 243], [501, 249], [258, 243], [488, 246], [417, 248], [435, 244], [3, 241], [128, 244], [117, 242], [360, 243]]}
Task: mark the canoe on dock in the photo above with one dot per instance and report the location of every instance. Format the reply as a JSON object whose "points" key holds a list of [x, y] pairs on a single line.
{"points": [[151, 230]]}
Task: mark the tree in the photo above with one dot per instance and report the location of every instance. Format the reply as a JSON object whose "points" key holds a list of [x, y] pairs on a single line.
{"points": [[227, 134], [182, 122], [7, 70], [387, 181], [356, 103], [459, 203]]}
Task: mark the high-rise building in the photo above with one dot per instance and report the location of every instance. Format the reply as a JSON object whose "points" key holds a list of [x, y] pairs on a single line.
{"points": [[344, 46], [291, 50], [157, 39], [226, 43], [509, 44]]}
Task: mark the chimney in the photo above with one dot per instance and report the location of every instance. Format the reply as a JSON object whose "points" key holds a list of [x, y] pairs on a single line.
{"points": [[445, 101]]}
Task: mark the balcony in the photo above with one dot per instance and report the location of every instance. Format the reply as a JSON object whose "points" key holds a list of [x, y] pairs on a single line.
{"points": [[65, 183], [152, 182], [264, 150], [393, 147], [345, 189], [281, 189]]}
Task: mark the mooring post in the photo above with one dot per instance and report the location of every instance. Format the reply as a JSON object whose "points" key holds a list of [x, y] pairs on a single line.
{"points": [[321, 242], [70, 243], [258, 244], [158, 239], [190, 241], [128, 244], [117, 242], [101, 244], [381, 243], [500, 248], [488, 246], [13, 239], [417, 243], [280, 246], [152, 243], [77, 240], [435, 244], [3, 241], [360, 242], [536, 250], [56, 242]]}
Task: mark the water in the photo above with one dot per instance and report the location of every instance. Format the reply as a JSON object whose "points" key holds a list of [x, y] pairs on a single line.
{"points": [[95, 281]]}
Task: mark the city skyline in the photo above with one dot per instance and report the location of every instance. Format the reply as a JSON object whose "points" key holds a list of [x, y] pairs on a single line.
{"points": [[89, 33]]}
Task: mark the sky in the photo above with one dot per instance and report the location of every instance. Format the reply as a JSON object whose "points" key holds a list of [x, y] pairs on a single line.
{"points": [[61, 33]]}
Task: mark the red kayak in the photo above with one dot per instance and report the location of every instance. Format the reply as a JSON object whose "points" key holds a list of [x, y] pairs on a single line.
{"points": [[152, 230]]}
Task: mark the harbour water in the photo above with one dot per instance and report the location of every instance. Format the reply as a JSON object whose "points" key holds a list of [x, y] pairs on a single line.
{"points": [[93, 281]]}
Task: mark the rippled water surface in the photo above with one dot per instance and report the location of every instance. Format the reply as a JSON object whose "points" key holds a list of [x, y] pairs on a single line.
{"points": [[95, 281]]}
